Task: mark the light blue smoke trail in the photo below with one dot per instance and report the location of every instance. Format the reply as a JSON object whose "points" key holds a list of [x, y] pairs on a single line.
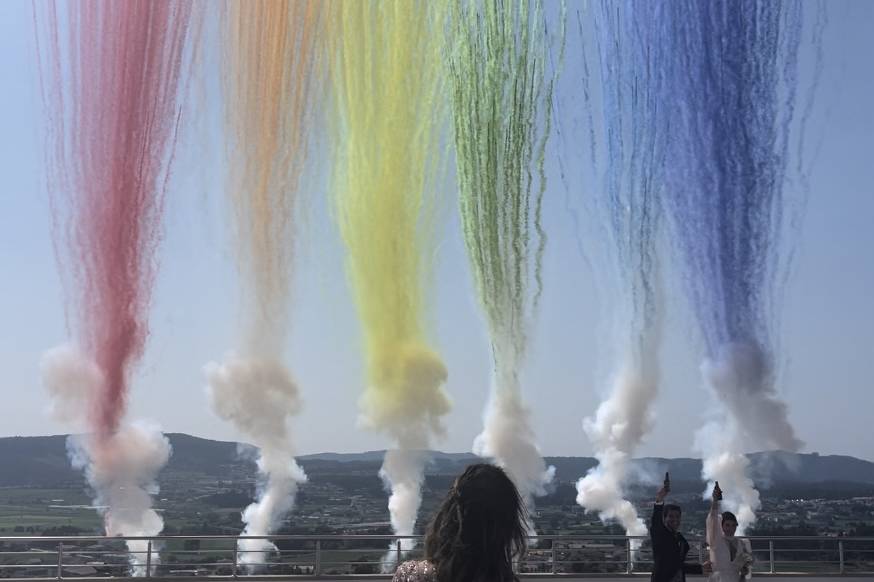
{"points": [[624, 113]]}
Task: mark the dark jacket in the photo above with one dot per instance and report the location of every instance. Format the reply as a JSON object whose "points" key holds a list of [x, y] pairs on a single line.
{"points": [[669, 550]]}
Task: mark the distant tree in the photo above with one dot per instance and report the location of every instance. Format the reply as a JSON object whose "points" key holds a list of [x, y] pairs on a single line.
{"points": [[62, 530]]}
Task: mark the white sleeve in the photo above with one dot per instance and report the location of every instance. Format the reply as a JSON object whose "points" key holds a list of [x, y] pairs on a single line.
{"points": [[718, 550], [713, 527]]}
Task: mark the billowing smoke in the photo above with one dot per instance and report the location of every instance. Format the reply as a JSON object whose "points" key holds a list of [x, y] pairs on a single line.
{"points": [[407, 398], [258, 396], [122, 467], [624, 180], [509, 439], [618, 428], [408, 404], [742, 382], [122, 472], [403, 472], [72, 381]]}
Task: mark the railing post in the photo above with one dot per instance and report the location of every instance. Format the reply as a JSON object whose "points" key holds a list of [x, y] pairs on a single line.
{"points": [[629, 564], [60, 560], [236, 558], [317, 568], [399, 552], [552, 550], [771, 556], [149, 559], [841, 555]]}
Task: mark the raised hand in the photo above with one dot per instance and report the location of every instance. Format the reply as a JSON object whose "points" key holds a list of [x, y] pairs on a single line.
{"points": [[717, 492]]}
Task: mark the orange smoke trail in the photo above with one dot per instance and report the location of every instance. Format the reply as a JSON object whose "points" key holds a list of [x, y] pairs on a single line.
{"points": [[270, 59], [269, 81]]}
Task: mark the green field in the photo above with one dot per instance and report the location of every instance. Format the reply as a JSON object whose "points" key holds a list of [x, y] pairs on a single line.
{"points": [[35, 511], [28, 511]]}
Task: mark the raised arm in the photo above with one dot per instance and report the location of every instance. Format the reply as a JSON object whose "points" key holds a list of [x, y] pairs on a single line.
{"points": [[657, 527], [714, 528]]}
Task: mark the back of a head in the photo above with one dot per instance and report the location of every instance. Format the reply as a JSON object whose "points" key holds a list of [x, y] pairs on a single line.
{"points": [[479, 528]]}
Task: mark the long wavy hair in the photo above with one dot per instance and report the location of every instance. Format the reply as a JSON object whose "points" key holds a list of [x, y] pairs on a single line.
{"points": [[479, 529]]}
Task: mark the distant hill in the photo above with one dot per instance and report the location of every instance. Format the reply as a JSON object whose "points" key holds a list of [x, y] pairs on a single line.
{"points": [[43, 462], [36, 461]]}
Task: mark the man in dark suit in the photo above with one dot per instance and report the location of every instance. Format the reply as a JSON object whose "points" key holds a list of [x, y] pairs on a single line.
{"points": [[669, 547]]}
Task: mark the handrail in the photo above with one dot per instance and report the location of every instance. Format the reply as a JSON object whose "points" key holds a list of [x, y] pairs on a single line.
{"points": [[394, 537], [354, 556]]}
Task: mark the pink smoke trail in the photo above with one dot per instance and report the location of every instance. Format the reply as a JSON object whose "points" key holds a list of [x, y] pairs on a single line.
{"points": [[112, 74]]}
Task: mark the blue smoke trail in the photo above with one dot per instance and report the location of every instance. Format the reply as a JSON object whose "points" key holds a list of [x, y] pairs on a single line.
{"points": [[632, 146], [728, 83]]}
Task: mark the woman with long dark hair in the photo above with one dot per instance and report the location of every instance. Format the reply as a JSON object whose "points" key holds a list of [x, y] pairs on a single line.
{"points": [[476, 534]]}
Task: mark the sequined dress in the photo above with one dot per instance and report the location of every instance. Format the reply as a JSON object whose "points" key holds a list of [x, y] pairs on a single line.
{"points": [[415, 571]]}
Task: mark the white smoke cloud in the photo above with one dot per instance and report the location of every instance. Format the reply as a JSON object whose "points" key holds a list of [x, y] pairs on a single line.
{"points": [[508, 438], [72, 381], [751, 417], [121, 467], [403, 472], [743, 381], [258, 396], [601, 490], [408, 403], [618, 428], [122, 471], [729, 467], [407, 400]]}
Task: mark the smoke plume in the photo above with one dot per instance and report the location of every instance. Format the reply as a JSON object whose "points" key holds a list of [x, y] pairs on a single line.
{"points": [[259, 397], [121, 468]]}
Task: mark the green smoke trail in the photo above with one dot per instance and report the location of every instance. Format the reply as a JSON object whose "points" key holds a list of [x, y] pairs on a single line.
{"points": [[501, 102]]}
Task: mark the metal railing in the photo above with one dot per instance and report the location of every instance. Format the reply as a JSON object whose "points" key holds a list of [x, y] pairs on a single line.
{"points": [[354, 556]]}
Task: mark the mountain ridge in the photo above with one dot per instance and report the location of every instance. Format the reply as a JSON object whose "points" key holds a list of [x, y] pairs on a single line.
{"points": [[42, 461]]}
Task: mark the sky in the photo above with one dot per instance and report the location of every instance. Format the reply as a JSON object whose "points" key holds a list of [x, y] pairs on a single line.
{"points": [[827, 322]]}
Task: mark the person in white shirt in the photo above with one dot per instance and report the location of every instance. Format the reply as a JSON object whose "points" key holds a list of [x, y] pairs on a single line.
{"points": [[731, 558]]}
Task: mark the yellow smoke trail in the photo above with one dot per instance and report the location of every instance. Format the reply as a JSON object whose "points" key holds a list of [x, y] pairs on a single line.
{"points": [[386, 75], [270, 81]]}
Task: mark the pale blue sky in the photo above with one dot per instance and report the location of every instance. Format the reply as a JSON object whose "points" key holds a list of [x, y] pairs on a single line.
{"points": [[828, 323]]}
